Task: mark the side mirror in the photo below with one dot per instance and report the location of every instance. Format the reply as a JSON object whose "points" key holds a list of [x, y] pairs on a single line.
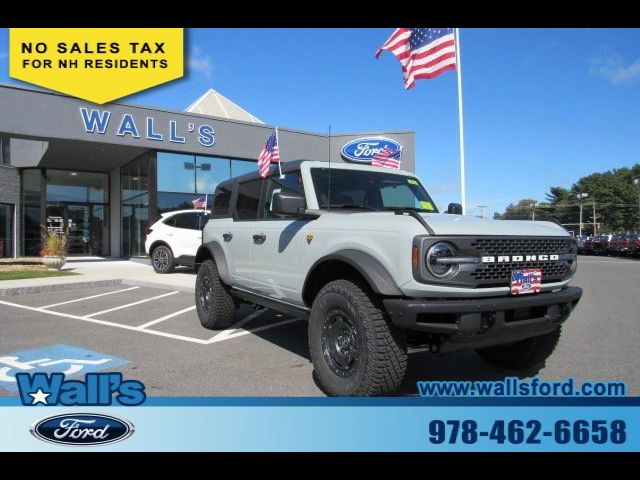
{"points": [[288, 204], [454, 209]]}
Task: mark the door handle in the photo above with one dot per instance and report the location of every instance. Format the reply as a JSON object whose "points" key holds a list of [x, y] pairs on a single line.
{"points": [[227, 236], [259, 237]]}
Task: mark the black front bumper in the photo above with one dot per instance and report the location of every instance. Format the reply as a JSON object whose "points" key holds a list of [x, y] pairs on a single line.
{"points": [[456, 324]]}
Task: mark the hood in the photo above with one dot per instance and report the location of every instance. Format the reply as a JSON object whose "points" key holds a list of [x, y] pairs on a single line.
{"points": [[445, 224]]}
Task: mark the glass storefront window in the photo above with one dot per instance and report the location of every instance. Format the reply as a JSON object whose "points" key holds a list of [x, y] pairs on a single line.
{"points": [[183, 178], [240, 167], [69, 186], [6, 230], [31, 207], [174, 175], [170, 201], [134, 209], [77, 203]]}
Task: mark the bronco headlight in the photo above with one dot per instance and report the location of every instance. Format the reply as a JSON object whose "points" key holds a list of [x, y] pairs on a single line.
{"points": [[438, 251]]}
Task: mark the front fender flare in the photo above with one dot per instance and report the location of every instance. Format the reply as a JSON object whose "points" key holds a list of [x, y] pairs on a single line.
{"points": [[371, 269], [214, 250]]}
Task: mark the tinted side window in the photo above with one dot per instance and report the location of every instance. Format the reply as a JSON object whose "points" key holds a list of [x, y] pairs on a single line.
{"points": [[248, 200], [171, 221], [291, 184], [187, 220], [222, 201]]}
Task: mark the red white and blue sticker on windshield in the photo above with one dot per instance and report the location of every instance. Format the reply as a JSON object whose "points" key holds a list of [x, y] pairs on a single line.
{"points": [[526, 281]]}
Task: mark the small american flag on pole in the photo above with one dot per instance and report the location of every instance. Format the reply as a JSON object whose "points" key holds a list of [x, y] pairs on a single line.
{"points": [[269, 154], [387, 158], [423, 52], [200, 202]]}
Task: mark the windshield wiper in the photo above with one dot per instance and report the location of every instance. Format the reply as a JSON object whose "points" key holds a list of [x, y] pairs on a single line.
{"points": [[354, 206]]}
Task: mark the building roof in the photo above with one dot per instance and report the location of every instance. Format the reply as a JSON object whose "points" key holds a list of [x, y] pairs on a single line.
{"points": [[216, 105]]}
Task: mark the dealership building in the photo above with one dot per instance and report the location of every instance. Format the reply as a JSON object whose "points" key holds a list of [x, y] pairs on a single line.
{"points": [[104, 173]]}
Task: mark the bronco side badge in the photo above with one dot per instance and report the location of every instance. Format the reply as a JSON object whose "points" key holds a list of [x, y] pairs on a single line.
{"points": [[309, 239]]}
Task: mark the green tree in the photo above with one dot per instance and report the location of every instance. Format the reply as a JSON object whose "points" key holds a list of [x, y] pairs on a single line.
{"points": [[613, 191]]}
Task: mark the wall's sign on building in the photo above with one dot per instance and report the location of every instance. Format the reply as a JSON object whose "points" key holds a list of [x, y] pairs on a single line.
{"points": [[362, 150], [98, 121]]}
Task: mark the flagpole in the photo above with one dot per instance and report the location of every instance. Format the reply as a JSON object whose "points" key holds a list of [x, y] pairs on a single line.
{"points": [[279, 158], [463, 193]]}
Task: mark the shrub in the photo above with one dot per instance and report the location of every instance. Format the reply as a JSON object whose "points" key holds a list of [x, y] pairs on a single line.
{"points": [[54, 244]]}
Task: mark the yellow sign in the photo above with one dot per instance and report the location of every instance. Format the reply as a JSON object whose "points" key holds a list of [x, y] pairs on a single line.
{"points": [[426, 205], [96, 64]]}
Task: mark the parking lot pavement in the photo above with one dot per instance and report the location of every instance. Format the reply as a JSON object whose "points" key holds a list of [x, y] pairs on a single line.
{"points": [[155, 336]]}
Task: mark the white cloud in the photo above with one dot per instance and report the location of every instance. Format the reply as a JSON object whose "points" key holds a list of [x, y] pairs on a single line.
{"points": [[610, 65], [200, 62]]}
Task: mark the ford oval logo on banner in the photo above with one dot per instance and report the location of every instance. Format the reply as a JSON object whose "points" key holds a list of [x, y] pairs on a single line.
{"points": [[82, 429], [362, 150]]}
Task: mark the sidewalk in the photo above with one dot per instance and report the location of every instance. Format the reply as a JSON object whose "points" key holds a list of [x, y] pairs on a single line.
{"points": [[97, 271]]}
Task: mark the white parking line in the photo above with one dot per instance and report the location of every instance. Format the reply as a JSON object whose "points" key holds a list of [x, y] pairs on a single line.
{"points": [[88, 298], [107, 323], [167, 317], [120, 307], [234, 333], [225, 335]]}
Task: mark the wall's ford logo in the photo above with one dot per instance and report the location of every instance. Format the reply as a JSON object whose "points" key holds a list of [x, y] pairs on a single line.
{"points": [[362, 150], [82, 429]]}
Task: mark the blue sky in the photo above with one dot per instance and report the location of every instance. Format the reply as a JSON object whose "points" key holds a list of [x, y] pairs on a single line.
{"points": [[542, 106]]}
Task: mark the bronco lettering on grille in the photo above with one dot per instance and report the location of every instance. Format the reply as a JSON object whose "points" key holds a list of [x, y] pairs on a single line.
{"points": [[520, 258]]}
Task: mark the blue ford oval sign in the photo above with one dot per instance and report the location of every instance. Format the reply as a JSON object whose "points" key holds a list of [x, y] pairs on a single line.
{"points": [[362, 150], [82, 429]]}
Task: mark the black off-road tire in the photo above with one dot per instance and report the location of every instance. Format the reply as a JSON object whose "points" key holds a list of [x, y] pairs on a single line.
{"points": [[381, 360], [162, 259], [523, 354], [215, 306]]}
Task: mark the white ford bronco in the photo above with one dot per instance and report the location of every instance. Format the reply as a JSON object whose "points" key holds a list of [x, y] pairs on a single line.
{"points": [[364, 255]]}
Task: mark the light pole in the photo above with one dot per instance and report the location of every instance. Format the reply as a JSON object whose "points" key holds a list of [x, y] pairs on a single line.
{"points": [[637, 183], [580, 196], [594, 217]]}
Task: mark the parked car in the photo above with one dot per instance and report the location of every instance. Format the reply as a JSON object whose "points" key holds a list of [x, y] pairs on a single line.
{"points": [[375, 269], [625, 244], [587, 247], [602, 244], [175, 239], [635, 245]]}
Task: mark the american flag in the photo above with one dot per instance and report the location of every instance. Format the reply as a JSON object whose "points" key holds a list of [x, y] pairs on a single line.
{"points": [[269, 154], [423, 52], [526, 281], [387, 158], [200, 202]]}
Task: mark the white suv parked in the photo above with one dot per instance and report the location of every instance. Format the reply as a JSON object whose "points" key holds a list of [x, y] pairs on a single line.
{"points": [[175, 239]]}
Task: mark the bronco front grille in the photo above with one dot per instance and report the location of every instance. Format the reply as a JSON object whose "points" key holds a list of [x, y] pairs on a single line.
{"points": [[519, 246], [502, 272], [498, 273], [495, 274]]}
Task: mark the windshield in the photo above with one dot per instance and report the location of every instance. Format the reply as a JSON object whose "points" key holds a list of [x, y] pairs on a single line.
{"points": [[359, 189]]}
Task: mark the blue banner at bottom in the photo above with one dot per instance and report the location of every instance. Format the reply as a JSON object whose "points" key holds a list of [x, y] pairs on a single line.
{"points": [[299, 425]]}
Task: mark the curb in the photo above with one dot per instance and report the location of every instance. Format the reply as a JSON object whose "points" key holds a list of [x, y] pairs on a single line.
{"points": [[56, 287]]}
